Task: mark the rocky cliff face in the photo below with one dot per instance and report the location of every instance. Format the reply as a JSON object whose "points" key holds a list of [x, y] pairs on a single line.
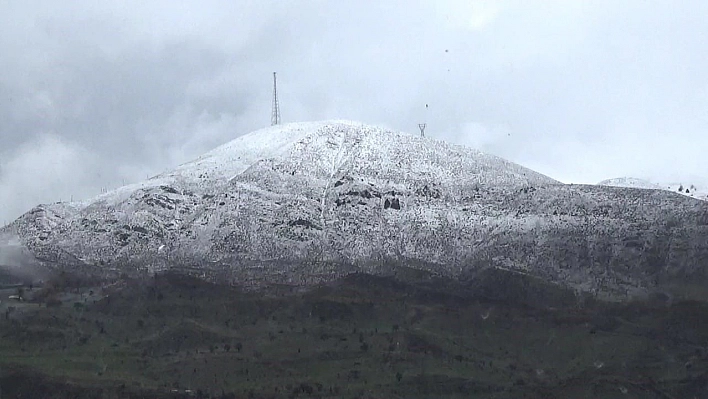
{"points": [[304, 203]]}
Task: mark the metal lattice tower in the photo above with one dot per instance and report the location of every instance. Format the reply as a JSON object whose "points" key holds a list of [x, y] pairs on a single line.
{"points": [[421, 126], [275, 115]]}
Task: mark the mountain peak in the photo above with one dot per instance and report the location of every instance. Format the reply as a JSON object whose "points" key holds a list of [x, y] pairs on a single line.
{"points": [[629, 182], [327, 148], [693, 190]]}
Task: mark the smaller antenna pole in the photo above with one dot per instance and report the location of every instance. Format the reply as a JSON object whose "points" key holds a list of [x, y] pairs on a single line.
{"points": [[421, 126]]}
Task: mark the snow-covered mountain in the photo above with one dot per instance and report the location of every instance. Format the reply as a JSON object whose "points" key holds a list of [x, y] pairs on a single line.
{"points": [[690, 189], [309, 202]]}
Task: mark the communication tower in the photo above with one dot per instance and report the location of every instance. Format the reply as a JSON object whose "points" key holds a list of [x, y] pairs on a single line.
{"points": [[275, 115]]}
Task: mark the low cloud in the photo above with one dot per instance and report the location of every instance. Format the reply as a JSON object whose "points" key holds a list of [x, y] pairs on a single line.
{"points": [[44, 170], [16, 262]]}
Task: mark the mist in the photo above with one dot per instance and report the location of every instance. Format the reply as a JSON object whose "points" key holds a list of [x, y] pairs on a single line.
{"points": [[17, 263]]}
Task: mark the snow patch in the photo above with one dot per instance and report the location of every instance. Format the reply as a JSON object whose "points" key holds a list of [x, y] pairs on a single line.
{"points": [[690, 189]]}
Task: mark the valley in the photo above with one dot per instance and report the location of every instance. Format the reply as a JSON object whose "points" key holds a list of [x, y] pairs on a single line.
{"points": [[174, 336]]}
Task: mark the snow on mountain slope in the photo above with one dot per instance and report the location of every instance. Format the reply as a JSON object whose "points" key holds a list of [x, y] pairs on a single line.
{"points": [[693, 190], [416, 155], [219, 165], [630, 182], [689, 189], [304, 203]]}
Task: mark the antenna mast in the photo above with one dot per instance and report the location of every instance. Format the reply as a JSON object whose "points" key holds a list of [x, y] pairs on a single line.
{"points": [[421, 126], [275, 116]]}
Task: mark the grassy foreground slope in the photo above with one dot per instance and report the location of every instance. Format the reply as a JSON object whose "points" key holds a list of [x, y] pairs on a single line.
{"points": [[499, 336]]}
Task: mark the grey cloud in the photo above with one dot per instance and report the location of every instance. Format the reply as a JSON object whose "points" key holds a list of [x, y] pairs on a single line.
{"points": [[581, 91]]}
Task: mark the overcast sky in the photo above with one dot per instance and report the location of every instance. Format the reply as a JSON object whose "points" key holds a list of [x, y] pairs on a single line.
{"points": [[97, 93]]}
